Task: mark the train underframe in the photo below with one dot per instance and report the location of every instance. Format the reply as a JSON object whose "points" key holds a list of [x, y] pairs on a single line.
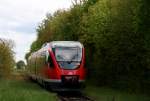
{"points": [[60, 85]]}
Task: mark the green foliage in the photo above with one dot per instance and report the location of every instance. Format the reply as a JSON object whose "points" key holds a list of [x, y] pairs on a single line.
{"points": [[115, 34]]}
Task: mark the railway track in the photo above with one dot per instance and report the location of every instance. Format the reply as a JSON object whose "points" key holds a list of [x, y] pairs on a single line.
{"points": [[62, 96], [73, 96]]}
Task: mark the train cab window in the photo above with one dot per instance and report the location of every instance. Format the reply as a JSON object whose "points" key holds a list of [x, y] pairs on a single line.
{"points": [[68, 57]]}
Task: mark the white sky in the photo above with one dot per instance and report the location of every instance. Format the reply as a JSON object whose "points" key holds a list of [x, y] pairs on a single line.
{"points": [[19, 19]]}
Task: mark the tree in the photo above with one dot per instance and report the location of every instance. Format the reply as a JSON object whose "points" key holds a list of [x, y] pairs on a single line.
{"points": [[20, 64], [6, 57]]}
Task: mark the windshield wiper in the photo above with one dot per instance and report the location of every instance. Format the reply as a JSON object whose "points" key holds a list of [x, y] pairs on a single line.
{"points": [[72, 60]]}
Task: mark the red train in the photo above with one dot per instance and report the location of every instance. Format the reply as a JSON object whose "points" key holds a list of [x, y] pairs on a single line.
{"points": [[59, 65]]}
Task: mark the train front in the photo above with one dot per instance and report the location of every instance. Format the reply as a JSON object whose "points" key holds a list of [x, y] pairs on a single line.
{"points": [[69, 57]]}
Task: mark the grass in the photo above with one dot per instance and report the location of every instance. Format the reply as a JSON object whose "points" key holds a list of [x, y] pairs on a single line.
{"points": [[19, 90], [108, 94]]}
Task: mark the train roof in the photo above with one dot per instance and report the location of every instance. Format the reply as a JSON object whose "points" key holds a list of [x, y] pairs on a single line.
{"points": [[54, 44], [65, 43]]}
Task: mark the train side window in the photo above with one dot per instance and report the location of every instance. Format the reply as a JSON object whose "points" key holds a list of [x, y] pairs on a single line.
{"points": [[50, 62]]}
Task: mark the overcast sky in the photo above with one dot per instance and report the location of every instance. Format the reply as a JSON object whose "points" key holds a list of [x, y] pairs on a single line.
{"points": [[19, 19]]}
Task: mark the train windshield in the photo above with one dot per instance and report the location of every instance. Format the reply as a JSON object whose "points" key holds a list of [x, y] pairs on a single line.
{"points": [[68, 57]]}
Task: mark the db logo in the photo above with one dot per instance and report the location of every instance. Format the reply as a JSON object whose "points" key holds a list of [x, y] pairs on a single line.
{"points": [[70, 73]]}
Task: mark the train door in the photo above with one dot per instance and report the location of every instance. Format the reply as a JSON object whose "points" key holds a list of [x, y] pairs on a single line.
{"points": [[51, 67]]}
